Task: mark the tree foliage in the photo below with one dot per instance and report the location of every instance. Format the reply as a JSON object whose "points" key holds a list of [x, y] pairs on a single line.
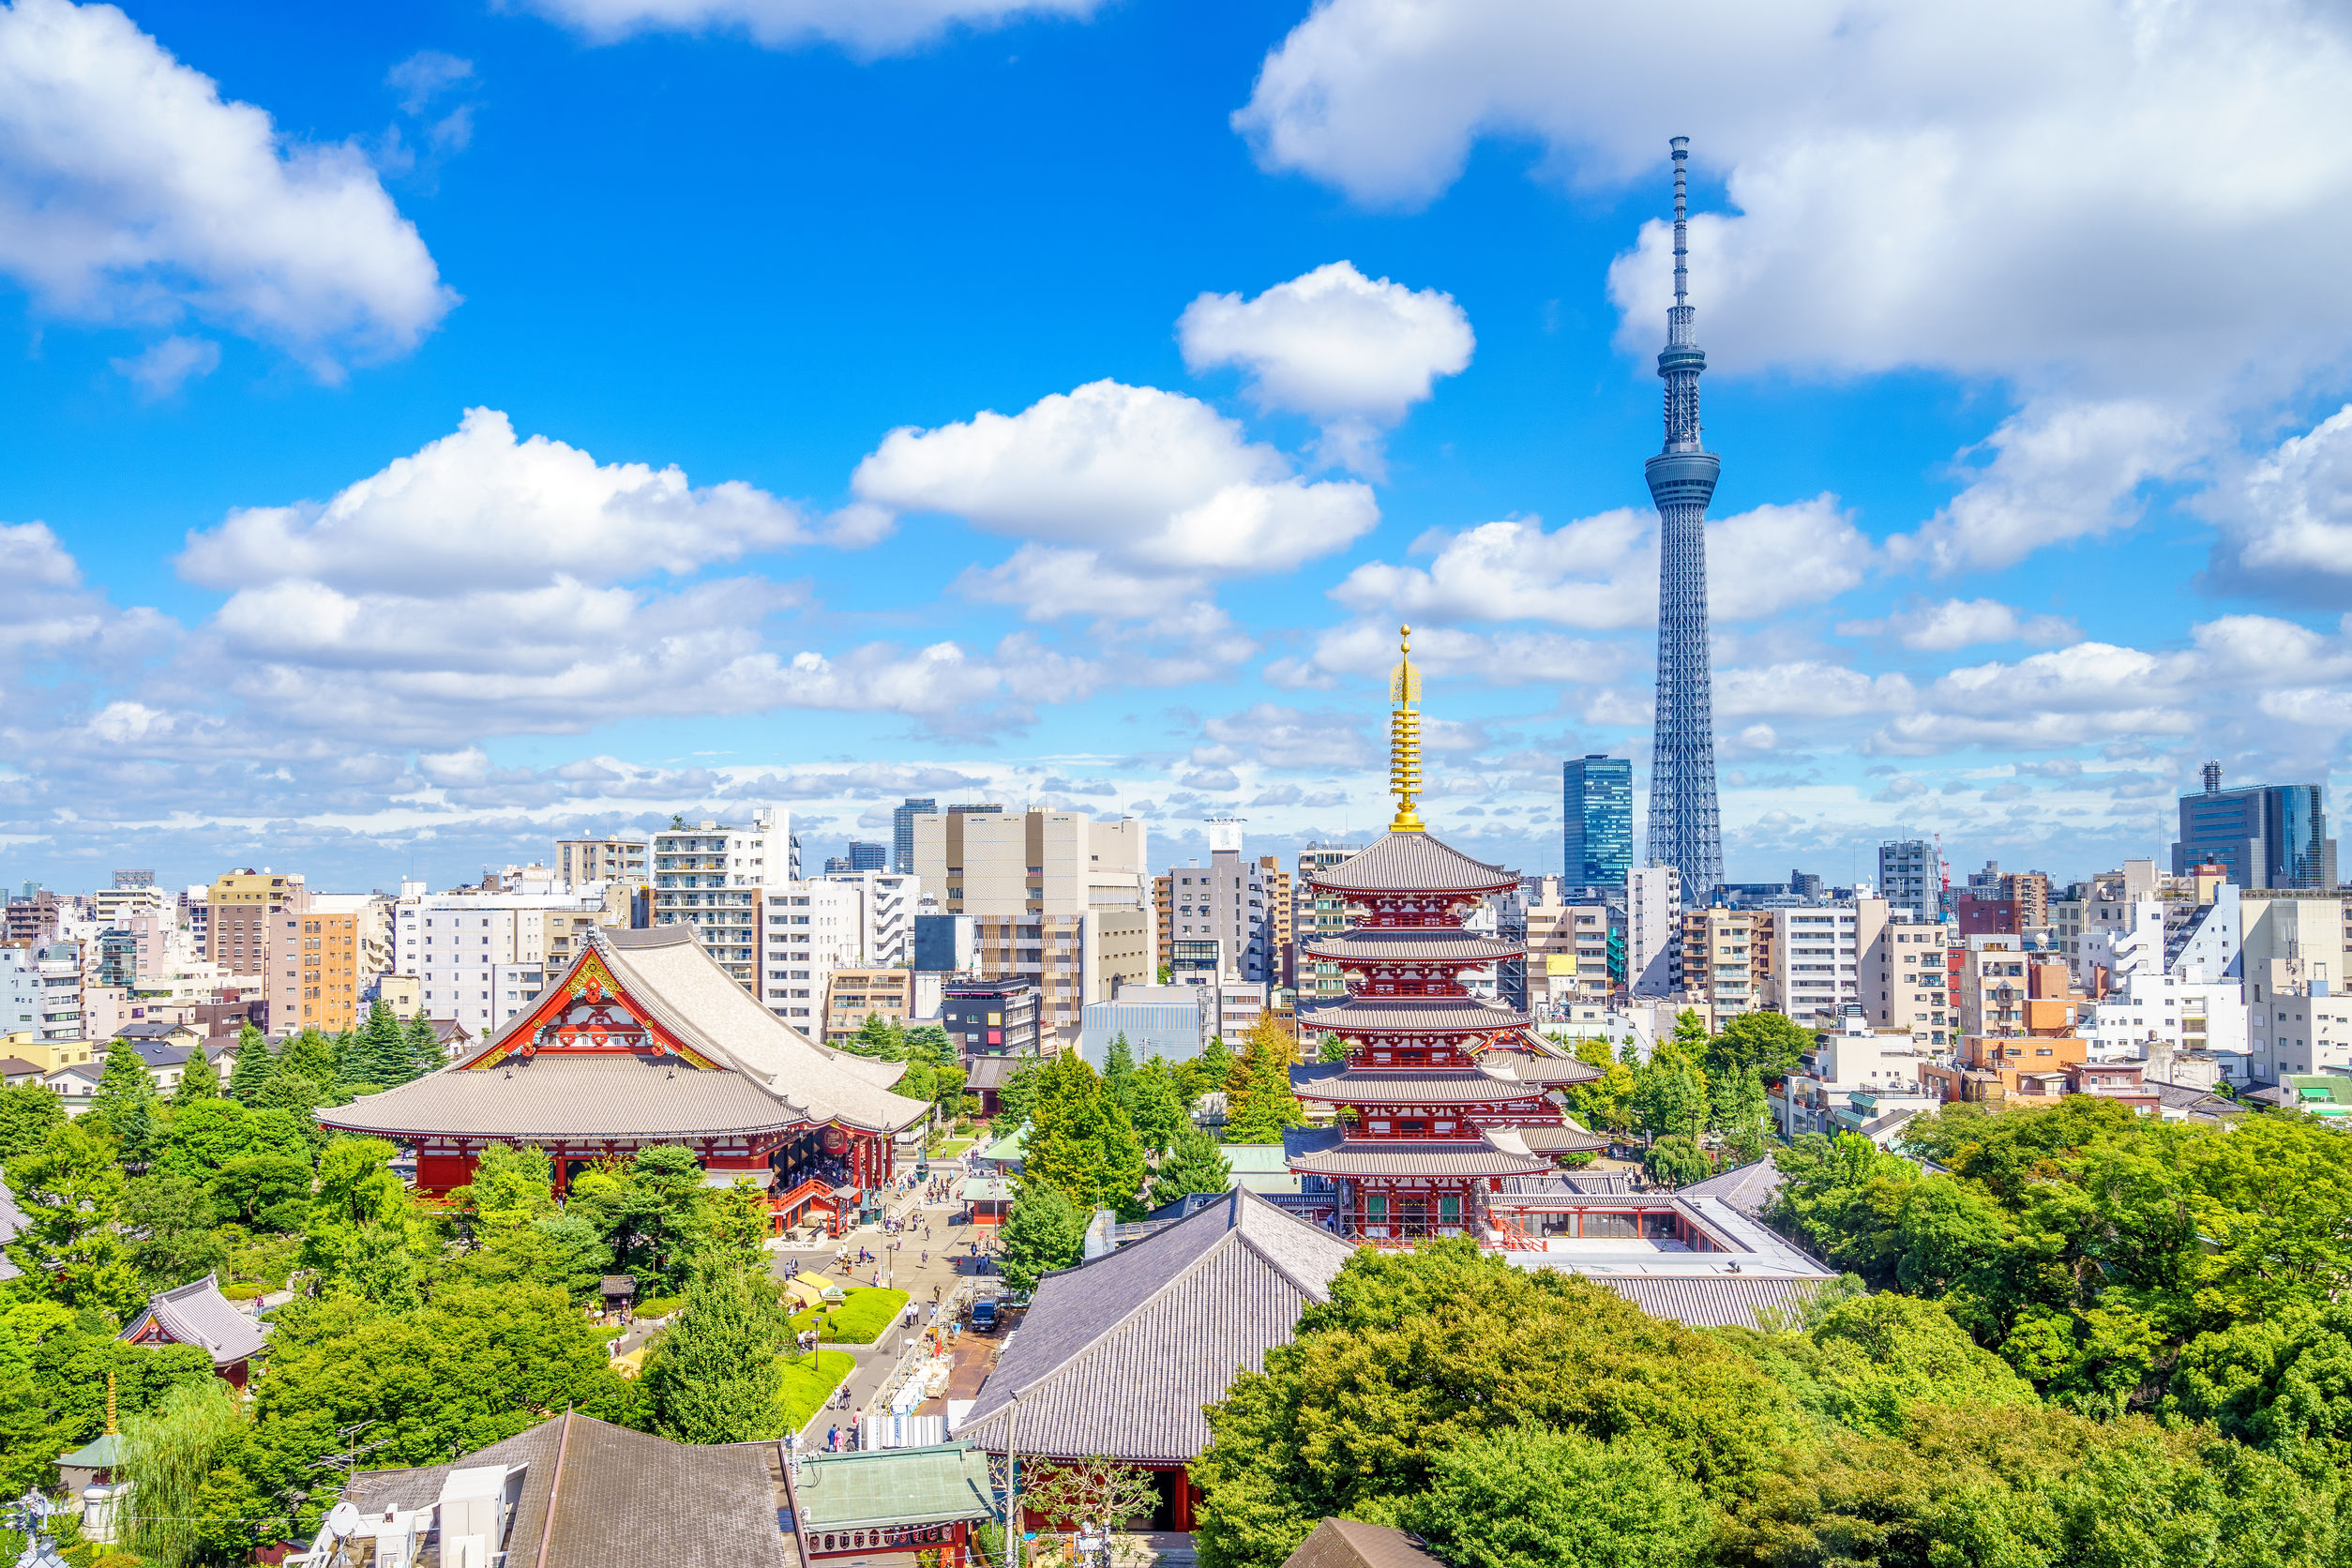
{"points": [[1194, 1164], [714, 1376], [1043, 1230], [1259, 1105]]}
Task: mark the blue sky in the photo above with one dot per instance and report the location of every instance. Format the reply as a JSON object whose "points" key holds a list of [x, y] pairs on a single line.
{"points": [[434, 429]]}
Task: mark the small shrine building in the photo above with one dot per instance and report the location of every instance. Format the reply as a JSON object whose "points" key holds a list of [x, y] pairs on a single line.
{"points": [[645, 1041]]}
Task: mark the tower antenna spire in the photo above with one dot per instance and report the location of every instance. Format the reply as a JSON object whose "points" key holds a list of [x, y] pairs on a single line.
{"points": [[1404, 736]]}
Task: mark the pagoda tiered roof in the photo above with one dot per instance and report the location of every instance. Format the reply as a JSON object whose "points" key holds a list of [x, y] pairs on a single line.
{"points": [[1551, 1071], [1412, 1015], [1328, 1151], [1411, 944], [1413, 862], [1337, 1083], [643, 1037]]}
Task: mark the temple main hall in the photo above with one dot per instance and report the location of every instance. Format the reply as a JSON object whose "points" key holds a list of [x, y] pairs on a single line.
{"points": [[643, 1041]]}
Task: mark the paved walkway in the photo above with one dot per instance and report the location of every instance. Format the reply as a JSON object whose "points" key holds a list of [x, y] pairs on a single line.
{"points": [[928, 1268]]}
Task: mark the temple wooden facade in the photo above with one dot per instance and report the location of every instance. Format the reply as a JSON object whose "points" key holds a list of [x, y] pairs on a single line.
{"points": [[1424, 1130], [645, 1041]]}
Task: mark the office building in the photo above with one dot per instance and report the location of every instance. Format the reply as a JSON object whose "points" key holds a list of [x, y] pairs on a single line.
{"points": [[1170, 1022], [990, 1018], [1231, 900], [597, 860], [2265, 835], [902, 832], [1910, 875], [1596, 814], [322, 957], [865, 856], [946, 944]]}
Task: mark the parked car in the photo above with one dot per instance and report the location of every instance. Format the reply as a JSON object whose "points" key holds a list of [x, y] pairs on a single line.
{"points": [[983, 1316]]}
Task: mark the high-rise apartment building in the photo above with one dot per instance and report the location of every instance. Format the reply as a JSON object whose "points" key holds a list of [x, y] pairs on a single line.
{"points": [[1230, 901], [1316, 913], [1653, 930], [886, 915], [902, 832], [2265, 835], [1567, 940], [865, 856], [1904, 972], [1596, 814], [478, 959], [609, 859], [1726, 957], [1910, 875], [319, 960], [1813, 959], [241, 906], [807, 931], [710, 877]]}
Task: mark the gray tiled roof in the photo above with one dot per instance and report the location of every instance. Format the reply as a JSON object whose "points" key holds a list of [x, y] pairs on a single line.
{"points": [[616, 1096], [198, 1314], [1117, 1355], [1749, 1188], [1409, 945], [1324, 1151], [1712, 1300], [1336, 1083], [1414, 863], [1561, 1139], [1417, 1013], [767, 1075], [1531, 1068], [626, 1497], [1346, 1544]]}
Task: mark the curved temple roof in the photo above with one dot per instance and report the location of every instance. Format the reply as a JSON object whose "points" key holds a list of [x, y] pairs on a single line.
{"points": [[1414, 863], [767, 1075], [1409, 945], [1412, 1015], [1405, 1086]]}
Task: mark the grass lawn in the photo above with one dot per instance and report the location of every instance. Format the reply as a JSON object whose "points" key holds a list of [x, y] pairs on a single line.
{"points": [[953, 1147], [808, 1380], [861, 1316]]}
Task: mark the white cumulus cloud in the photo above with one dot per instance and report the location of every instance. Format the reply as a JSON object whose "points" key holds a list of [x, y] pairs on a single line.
{"points": [[130, 192], [1115, 487], [1350, 352], [1961, 624]]}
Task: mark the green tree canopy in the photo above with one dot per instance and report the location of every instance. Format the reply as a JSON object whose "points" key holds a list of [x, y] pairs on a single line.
{"points": [[715, 1378], [253, 1064], [1194, 1164], [1526, 1498], [1080, 1140], [1043, 1230], [1260, 1105], [1156, 1105], [1766, 1043], [199, 1079], [26, 1115], [71, 1193]]}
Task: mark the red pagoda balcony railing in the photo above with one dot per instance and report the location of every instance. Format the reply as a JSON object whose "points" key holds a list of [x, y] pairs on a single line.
{"points": [[1399, 1232]]}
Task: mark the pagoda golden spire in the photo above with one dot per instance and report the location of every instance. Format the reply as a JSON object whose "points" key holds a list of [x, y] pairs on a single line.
{"points": [[1403, 737]]}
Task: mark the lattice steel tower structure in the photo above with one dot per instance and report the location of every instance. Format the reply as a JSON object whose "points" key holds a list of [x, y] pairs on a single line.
{"points": [[1685, 826]]}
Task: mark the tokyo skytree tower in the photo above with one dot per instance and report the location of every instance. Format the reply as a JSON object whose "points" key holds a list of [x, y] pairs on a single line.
{"points": [[1685, 827]]}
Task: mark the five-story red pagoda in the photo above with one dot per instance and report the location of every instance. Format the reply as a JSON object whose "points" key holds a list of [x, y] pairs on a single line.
{"points": [[1422, 1131]]}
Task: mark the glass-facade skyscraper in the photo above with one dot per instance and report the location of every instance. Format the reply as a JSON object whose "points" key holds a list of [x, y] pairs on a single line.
{"points": [[1596, 813], [2266, 834]]}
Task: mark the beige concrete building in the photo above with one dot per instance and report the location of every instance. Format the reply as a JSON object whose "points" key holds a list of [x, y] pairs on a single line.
{"points": [[1904, 973], [239, 909], [853, 995], [1315, 913], [320, 958], [1726, 957], [1567, 944], [610, 859]]}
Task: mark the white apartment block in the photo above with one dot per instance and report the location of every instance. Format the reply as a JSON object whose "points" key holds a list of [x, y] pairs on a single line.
{"points": [[2292, 1031], [2154, 1017], [1842, 1061], [1316, 913], [481, 957], [807, 931], [1905, 973], [1230, 901], [711, 877], [887, 905], [1815, 961], [1653, 930]]}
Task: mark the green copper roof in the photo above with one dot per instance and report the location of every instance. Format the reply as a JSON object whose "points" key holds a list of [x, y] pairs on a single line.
{"points": [[104, 1451], [892, 1487]]}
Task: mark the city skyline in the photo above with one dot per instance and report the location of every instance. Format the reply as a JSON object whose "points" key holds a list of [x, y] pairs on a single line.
{"points": [[389, 503]]}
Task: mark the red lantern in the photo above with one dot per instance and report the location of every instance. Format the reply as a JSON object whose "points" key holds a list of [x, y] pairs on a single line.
{"points": [[836, 1140]]}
